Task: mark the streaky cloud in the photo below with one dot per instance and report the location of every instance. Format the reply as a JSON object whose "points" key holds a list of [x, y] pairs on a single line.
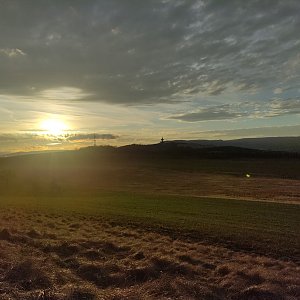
{"points": [[91, 136]]}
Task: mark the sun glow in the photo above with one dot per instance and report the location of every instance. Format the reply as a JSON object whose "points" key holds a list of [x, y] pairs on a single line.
{"points": [[54, 126]]}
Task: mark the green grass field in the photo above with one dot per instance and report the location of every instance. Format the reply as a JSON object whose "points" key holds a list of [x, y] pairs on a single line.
{"points": [[260, 227]]}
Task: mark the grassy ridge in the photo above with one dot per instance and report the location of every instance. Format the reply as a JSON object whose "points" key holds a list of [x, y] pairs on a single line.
{"points": [[262, 227]]}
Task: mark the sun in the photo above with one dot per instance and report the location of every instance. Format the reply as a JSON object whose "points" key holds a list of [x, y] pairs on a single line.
{"points": [[54, 126]]}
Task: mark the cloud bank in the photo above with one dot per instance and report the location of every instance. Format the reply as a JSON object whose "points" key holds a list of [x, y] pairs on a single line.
{"points": [[89, 136], [42, 137], [135, 52], [247, 109]]}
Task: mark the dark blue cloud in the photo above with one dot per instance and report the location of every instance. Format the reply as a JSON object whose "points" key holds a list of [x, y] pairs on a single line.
{"points": [[136, 52]]}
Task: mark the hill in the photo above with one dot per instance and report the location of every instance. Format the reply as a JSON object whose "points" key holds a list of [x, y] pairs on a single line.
{"points": [[288, 144]]}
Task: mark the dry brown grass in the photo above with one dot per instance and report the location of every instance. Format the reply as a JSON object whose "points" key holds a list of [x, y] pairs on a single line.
{"points": [[67, 256], [205, 184]]}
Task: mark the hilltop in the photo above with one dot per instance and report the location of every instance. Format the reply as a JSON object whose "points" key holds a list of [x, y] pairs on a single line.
{"points": [[287, 144]]}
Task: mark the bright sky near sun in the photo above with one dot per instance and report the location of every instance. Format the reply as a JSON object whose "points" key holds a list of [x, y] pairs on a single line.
{"points": [[133, 71], [54, 127]]}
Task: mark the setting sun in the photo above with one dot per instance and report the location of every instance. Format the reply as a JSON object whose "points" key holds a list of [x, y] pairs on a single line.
{"points": [[54, 126]]}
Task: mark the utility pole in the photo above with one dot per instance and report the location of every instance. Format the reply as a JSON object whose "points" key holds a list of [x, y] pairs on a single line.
{"points": [[95, 144]]}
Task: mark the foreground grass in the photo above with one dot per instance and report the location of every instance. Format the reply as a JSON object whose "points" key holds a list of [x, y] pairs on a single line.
{"points": [[66, 233], [260, 227]]}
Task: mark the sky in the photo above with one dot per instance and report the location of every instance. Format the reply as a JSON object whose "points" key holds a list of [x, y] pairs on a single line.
{"points": [[132, 71]]}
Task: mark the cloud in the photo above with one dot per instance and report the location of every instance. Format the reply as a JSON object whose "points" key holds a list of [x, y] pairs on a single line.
{"points": [[135, 52], [208, 114], [252, 132], [28, 141], [63, 93], [278, 91], [246, 109], [12, 52], [281, 107], [21, 137], [91, 136], [53, 139]]}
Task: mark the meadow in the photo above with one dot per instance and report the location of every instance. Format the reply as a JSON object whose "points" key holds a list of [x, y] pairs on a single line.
{"points": [[119, 228]]}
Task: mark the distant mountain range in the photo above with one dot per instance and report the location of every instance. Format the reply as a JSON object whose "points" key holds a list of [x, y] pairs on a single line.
{"points": [[288, 144], [286, 147]]}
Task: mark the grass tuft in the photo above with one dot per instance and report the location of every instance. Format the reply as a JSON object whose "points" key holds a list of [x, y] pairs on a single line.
{"points": [[28, 275]]}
